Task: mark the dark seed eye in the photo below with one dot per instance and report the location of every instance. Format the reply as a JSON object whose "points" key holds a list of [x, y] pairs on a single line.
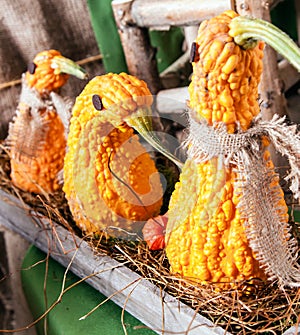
{"points": [[193, 54], [97, 102], [31, 68]]}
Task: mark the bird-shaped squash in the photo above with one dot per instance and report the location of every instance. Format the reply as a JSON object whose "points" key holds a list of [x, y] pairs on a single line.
{"points": [[110, 180], [37, 134], [217, 210]]}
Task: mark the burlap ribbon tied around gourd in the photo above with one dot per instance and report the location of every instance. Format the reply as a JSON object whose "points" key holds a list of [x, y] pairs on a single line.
{"points": [[29, 135], [265, 222]]}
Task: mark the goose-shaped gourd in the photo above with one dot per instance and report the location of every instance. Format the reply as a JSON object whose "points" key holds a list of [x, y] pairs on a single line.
{"points": [[37, 134], [210, 244], [110, 180]]}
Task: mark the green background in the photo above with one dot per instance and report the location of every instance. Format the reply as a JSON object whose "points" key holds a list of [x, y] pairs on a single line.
{"points": [[79, 300]]}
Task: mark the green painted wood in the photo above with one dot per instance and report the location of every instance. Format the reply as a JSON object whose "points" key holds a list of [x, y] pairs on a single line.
{"points": [[64, 318], [168, 45], [107, 35]]}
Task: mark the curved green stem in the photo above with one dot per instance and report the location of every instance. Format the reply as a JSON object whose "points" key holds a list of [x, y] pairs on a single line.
{"points": [[141, 122], [247, 30], [66, 65]]}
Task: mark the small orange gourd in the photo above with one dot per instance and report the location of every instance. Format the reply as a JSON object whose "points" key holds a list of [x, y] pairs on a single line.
{"points": [[37, 135], [154, 232], [110, 180]]}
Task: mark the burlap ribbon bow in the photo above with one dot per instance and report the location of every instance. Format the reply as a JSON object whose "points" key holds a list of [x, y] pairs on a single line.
{"points": [[265, 222]]}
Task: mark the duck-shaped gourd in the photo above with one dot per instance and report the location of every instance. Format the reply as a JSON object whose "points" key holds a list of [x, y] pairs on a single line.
{"points": [[110, 180], [227, 218], [37, 134]]}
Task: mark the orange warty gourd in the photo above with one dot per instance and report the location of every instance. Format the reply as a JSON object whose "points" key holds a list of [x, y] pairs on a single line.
{"points": [[45, 73], [37, 135], [224, 88], [110, 180]]}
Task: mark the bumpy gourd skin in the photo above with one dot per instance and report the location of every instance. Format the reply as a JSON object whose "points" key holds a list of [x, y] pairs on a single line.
{"points": [[225, 76], [37, 139], [46, 78], [39, 174], [109, 178], [210, 245]]}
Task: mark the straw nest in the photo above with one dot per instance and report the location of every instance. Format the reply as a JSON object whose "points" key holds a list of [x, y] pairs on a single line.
{"points": [[252, 308]]}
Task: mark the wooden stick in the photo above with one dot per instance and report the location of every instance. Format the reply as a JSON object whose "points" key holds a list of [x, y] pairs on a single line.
{"points": [[172, 75], [10, 84], [177, 65], [139, 54], [240, 5], [271, 87], [288, 74], [172, 101], [166, 13], [90, 59]]}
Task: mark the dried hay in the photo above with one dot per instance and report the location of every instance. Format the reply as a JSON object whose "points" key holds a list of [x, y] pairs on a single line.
{"points": [[251, 308]]}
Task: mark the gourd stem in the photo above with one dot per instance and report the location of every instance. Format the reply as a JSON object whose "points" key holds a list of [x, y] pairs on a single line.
{"points": [[245, 30], [143, 126], [66, 65]]}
